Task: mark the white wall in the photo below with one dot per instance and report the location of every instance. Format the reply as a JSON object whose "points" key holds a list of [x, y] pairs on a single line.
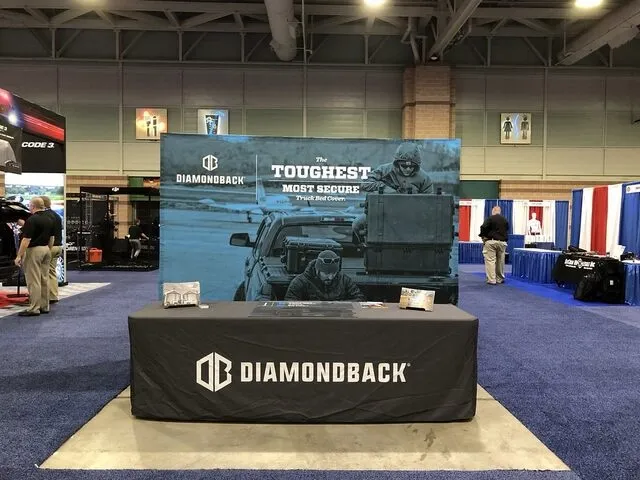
{"points": [[588, 116], [99, 104]]}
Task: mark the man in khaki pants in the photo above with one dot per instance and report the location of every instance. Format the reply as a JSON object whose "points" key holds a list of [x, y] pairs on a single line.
{"points": [[494, 235], [56, 250], [34, 255]]}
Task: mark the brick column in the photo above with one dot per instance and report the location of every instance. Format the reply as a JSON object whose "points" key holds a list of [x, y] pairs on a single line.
{"points": [[428, 109]]}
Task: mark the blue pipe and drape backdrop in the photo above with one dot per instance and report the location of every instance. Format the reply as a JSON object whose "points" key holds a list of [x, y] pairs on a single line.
{"points": [[630, 220], [562, 223]]}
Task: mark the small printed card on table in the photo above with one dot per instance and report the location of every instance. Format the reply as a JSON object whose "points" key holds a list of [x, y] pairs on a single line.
{"points": [[412, 298]]}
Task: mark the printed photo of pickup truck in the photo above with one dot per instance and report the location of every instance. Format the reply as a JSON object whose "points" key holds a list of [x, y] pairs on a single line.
{"points": [[244, 217]]}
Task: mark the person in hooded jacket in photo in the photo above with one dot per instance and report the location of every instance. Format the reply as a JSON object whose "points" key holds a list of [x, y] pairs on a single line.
{"points": [[322, 280]]}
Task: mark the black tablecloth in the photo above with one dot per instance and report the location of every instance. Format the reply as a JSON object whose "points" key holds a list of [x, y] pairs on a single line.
{"points": [[571, 267], [382, 365]]}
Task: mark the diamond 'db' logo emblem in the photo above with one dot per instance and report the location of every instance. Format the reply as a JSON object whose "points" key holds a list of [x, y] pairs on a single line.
{"points": [[209, 163]]}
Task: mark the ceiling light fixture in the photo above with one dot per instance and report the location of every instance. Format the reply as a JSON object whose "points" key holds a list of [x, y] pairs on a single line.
{"points": [[374, 3], [588, 3]]}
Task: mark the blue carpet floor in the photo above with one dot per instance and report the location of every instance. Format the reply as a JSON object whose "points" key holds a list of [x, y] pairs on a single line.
{"points": [[569, 374]]}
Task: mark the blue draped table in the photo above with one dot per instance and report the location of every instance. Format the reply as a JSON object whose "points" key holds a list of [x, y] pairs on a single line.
{"points": [[533, 264], [513, 241], [632, 283], [470, 252]]}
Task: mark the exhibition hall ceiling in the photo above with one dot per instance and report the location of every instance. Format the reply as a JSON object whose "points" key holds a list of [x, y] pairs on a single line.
{"points": [[461, 32]]}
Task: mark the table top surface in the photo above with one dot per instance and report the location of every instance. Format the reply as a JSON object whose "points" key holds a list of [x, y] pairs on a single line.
{"points": [[539, 250], [242, 311]]}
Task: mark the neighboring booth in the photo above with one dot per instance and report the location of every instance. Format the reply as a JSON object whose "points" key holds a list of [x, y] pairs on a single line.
{"points": [[533, 223], [103, 244], [33, 155], [606, 217]]}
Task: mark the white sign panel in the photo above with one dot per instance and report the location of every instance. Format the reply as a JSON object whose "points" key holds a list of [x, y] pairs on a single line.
{"points": [[515, 128]]}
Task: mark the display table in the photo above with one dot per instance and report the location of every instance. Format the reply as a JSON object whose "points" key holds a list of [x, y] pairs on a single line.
{"points": [[534, 264], [571, 267], [230, 364], [470, 252], [632, 282]]}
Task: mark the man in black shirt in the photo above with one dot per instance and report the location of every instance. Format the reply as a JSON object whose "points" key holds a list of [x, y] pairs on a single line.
{"points": [[56, 250], [494, 235], [34, 255], [135, 234]]}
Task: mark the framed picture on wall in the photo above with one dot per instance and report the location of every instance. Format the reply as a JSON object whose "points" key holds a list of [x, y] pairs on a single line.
{"points": [[213, 121], [150, 123], [515, 128]]}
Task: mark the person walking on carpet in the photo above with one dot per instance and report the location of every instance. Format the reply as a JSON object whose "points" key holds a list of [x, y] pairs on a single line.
{"points": [[494, 237], [34, 255]]}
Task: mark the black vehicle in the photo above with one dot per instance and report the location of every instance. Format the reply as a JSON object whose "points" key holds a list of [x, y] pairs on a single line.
{"points": [[267, 275], [10, 212]]}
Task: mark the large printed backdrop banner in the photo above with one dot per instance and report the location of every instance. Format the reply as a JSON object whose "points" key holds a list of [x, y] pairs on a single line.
{"points": [[278, 197]]}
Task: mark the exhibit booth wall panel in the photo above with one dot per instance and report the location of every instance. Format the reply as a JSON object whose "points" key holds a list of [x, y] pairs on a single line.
{"points": [[77, 86], [153, 86], [91, 123], [509, 160], [38, 84], [260, 100], [335, 123], [621, 131], [383, 90], [472, 159], [93, 156], [576, 93], [212, 87], [273, 88], [515, 93], [576, 161], [622, 92], [588, 115], [141, 156], [542, 189], [274, 122], [470, 127], [621, 161], [384, 123], [575, 129], [336, 89]]}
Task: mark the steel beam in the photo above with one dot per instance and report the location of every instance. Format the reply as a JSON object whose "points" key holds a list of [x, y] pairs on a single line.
{"points": [[604, 31], [67, 16], [37, 14], [202, 19], [106, 17], [258, 8], [131, 44], [379, 28], [458, 19], [67, 43], [172, 18]]}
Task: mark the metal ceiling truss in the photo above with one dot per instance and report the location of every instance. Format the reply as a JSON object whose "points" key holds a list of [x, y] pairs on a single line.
{"points": [[428, 31]]}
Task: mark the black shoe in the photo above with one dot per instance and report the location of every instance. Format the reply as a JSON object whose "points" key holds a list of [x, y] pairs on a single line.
{"points": [[53, 301], [44, 311], [28, 314]]}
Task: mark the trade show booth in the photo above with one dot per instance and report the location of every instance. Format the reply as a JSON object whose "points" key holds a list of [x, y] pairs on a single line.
{"points": [[313, 252], [103, 243], [37, 162], [533, 224]]}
